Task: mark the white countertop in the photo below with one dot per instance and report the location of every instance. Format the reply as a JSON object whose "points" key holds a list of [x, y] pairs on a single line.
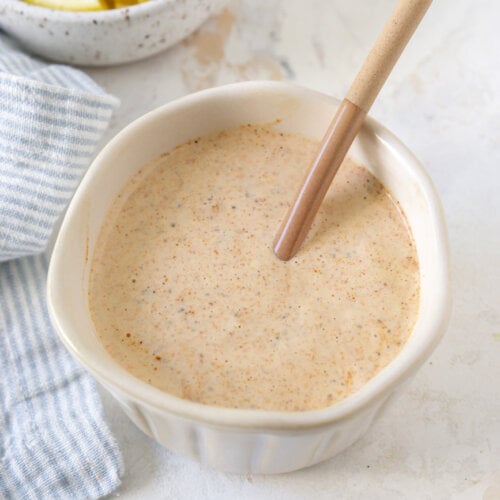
{"points": [[441, 438]]}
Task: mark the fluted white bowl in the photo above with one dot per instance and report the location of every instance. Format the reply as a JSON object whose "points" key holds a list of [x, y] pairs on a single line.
{"points": [[104, 37], [245, 441]]}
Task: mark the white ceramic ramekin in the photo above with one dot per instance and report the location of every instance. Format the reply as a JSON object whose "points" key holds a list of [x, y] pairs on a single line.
{"points": [[245, 441], [104, 37]]}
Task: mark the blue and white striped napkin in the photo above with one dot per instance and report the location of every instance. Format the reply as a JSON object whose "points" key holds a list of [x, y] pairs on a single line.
{"points": [[54, 442]]}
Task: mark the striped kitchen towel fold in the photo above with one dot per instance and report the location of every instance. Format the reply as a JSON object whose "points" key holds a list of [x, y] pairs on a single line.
{"points": [[51, 118], [54, 442]]}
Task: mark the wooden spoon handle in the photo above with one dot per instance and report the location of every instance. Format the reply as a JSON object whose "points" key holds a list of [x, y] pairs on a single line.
{"points": [[346, 124], [386, 51], [337, 140]]}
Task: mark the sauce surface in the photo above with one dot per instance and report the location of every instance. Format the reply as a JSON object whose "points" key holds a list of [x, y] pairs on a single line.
{"points": [[187, 295]]}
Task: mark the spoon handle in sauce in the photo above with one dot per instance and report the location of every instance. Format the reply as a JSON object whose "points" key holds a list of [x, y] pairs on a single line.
{"points": [[346, 124]]}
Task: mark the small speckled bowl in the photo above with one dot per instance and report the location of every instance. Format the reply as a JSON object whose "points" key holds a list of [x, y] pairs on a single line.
{"points": [[235, 440], [104, 37]]}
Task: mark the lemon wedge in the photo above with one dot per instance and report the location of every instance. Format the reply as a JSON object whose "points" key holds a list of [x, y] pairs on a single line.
{"points": [[76, 5], [126, 3], [123, 3], [84, 5]]}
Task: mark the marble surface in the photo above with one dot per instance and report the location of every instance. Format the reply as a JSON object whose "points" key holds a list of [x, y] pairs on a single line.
{"points": [[441, 438]]}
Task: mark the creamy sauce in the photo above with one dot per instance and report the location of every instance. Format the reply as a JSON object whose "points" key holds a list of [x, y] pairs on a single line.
{"points": [[187, 295]]}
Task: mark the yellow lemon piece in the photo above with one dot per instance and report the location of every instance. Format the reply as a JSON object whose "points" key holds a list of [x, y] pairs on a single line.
{"points": [[126, 3], [75, 5], [84, 5], [123, 3]]}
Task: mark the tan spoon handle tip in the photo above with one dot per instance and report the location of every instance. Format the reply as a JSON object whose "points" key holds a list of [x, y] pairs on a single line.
{"points": [[386, 51], [346, 124]]}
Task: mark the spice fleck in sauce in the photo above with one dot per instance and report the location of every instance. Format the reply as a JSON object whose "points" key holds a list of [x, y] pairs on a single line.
{"points": [[186, 293]]}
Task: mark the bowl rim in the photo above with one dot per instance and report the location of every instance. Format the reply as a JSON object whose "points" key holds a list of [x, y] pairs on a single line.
{"points": [[156, 400], [127, 13]]}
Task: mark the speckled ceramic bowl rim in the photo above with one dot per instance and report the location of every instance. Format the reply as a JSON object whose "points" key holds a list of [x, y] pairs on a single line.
{"points": [[124, 13], [404, 365]]}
